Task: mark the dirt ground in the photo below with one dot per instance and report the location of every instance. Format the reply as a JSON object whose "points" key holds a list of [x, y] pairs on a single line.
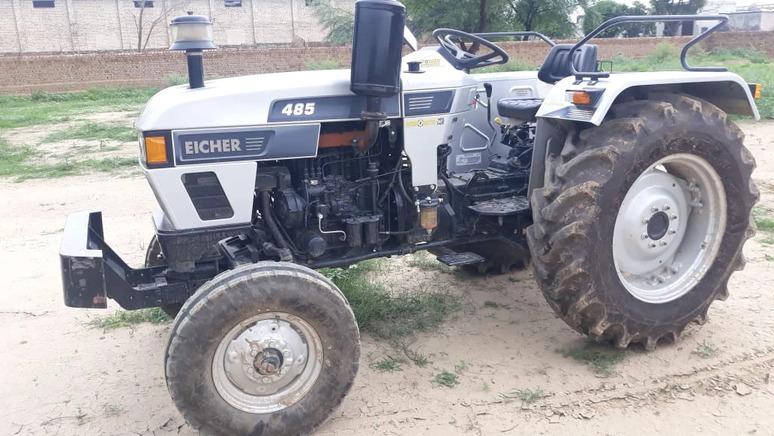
{"points": [[60, 376]]}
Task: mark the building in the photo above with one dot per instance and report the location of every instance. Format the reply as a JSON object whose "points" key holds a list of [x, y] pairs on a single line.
{"points": [[34, 26]]}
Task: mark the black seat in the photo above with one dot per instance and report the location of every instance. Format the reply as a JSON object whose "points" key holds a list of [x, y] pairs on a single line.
{"points": [[519, 108], [555, 68]]}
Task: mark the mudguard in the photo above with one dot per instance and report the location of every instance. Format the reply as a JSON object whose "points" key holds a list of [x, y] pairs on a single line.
{"points": [[726, 90]]}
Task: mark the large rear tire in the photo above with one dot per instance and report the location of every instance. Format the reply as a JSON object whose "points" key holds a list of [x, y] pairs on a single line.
{"points": [[263, 349], [642, 220]]}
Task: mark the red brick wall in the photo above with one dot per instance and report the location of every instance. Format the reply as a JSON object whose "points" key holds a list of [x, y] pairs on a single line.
{"points": [[65, 72]]}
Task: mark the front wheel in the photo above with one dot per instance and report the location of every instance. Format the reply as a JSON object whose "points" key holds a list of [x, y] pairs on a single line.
{"points": [[266, 348], [642, 220]]}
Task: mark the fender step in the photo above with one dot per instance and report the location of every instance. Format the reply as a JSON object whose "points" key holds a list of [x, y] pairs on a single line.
{"points": [[453, 258], [501, 206]]}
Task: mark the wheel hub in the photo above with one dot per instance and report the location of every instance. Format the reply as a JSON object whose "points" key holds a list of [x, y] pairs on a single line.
{"points": [[668, 228], [268, 362]]}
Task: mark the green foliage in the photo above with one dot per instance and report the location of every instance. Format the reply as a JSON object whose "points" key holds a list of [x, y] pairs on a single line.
{"points": [[603, 10], [551, 17], [601, 360], [512, 65], [339, 23], [388, 364], [765, 225], [385, 315], [675, 7], [48, 108], [128, 318], [94, 131], [446, 379]]}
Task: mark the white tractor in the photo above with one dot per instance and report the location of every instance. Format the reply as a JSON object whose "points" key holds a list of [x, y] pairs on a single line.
{"points": [[629, 194]]}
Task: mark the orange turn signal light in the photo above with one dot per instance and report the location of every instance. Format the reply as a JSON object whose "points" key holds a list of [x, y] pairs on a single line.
{"points": [[156, 150], [582, 98], [757, 89]]}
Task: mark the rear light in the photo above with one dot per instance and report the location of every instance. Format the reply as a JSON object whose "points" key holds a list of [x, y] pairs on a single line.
{"points": [[156, 150], [756, 89], [581, 98]]}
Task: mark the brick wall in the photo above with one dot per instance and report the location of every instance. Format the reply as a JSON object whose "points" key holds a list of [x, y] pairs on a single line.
{"points": [[93, 25], [65, 72]]}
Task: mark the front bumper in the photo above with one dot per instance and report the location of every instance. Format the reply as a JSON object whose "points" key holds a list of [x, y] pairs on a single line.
{"points": [[92, 272]]}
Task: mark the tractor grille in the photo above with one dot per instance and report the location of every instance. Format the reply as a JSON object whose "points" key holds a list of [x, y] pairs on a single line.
{"points": [[207, 196]]}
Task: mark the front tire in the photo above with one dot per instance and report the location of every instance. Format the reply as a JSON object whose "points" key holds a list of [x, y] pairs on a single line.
{"points": [[609, 262], [267, 348]]}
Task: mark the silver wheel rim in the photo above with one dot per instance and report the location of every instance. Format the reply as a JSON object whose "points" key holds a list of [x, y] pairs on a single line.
{"points": [[267, 363], [669, 228]]}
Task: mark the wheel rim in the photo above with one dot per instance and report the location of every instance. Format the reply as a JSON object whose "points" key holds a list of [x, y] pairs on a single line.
{"points": [[267, 363], [669, 228]]}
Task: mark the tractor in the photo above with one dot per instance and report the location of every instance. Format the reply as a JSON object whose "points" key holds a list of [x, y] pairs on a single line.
{"points": [[629, 194]]}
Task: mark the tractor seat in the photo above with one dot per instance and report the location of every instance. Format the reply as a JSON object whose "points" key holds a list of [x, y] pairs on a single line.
{"points": [[519, 108]]}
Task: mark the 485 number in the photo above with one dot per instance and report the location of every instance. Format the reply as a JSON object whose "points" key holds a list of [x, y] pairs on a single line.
{"points": [[297, 109]]}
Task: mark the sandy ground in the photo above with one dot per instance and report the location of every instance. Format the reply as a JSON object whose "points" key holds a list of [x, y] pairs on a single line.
{"points": [[60, 376]]}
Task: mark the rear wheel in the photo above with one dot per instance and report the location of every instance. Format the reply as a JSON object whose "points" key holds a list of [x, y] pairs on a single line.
{"points": [[266, 348], [642, 220]]}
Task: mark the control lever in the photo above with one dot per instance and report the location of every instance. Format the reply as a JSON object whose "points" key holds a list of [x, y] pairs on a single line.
{"points": [[488, 90]]}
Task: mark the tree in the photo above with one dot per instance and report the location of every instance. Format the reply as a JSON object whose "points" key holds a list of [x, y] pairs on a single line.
{"points": [[140, 20], [677, 7], [466, 15], [603, 10], [339, 23], [551, 17]]}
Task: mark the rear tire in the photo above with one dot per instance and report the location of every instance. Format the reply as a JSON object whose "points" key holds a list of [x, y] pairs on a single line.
{"points": [[576, 213], [213, 377]]}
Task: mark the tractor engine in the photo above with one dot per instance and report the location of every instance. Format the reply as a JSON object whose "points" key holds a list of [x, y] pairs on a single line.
{"points": [[351, 197]]}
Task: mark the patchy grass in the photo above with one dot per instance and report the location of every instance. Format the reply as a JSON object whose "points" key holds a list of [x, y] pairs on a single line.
{"points": [[20, 163], [512, 65], [427, 262], [388, 316], [388, 364], [95, 131], [600, 359], [705, 350], [765, 224], [419, 359], [48, 108], [324, 64], [527, 396], [461, 367], [446, 379], [128, 318]]}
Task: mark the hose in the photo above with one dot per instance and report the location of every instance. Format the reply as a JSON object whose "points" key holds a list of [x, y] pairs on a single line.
{"points": [[270, 223]]}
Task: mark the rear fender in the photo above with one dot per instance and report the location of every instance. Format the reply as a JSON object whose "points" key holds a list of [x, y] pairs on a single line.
{"points": [[726, 90]]}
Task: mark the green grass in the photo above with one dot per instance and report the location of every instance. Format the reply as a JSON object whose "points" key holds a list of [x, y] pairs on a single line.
{"points": [[446, 379], [600, 359], [765, 224], [128, 318], [324, 64], [94, 131], [388, 316], [388, 364], [512, 65], [47, 108], [705, 350], [527, 396]]}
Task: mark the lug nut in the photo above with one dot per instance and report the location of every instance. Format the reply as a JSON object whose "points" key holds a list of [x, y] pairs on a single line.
{"points": [[644, 236]]}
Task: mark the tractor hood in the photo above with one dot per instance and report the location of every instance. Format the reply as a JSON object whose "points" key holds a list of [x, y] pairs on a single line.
{"points": [[248, 100]]}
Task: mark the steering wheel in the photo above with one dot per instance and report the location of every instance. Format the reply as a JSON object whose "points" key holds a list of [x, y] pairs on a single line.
{"points": [[463, 48]]}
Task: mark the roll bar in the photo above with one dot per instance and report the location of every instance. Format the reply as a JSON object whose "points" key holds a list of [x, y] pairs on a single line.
{"points": [[488, 35], [722, 20]]}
